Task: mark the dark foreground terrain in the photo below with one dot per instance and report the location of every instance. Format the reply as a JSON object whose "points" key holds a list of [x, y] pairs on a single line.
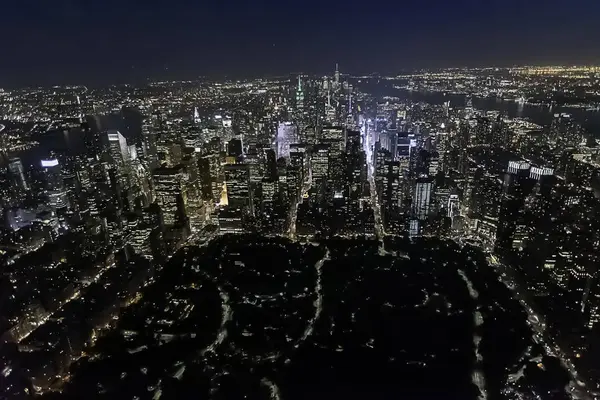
{"points": [[259, 318]]}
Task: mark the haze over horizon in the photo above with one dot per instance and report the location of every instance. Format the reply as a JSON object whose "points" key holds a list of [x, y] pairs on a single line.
{"points": [[76, 41]]}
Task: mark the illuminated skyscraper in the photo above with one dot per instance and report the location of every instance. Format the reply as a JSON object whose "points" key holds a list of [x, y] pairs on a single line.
{"points": [[517, 185], [388, 180], [336, 136], [320, 163], [118, 150], [564, 131], [55, 188], [286, 135], [299, 96], [453, 206], [296, 171], [237, 180], [150, 150], [196, 115], [17, 174], [171, 194], [422, 197]]}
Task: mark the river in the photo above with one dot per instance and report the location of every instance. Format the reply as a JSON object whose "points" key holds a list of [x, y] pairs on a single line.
{"points": [[538, 114]]}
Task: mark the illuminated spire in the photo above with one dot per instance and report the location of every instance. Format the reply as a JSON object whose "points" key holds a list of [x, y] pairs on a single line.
{"points": [[299, 94], [350, 103]]}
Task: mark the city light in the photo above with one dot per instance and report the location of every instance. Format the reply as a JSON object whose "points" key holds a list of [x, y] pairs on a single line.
{"points": [[199, 236], [49, 163]]}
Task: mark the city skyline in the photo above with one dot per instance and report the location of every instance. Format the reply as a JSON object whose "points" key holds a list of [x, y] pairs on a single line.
{"points": [[430, 233]]}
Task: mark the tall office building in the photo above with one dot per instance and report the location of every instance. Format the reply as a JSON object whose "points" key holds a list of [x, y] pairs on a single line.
{"points": [[422, 197], [388, 182], [237, 180], [150, 151], [171, 194], [500, 134], [296, 171], [55, 188], [355, 168], [139, 234], [320, 168], [286, 135], [234, 148], [461, 144], [118, 150], [453, 206], [334, 135], [388, 141], [402, 151], [564, 131], [299, 96], [17, 174], [516, 186]]}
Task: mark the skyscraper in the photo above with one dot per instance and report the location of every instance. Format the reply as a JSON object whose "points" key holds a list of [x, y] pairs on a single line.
{"points": [[237, 180], [320, 163], [150, 151], [299, 96], [286, 135], [388, 180], [517, 185], [118, 150], [422, 197], [171, 195], [295, 171], [336, 136], [55, 188], [17, 174], [564, 131]]}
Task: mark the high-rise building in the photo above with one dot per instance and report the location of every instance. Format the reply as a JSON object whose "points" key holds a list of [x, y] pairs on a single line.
{"points": [[403, 151], [299, 96], [237, 180], [500, 134], [517, 185], [171, 194], [356, 171], [422, 197], [334, 135], [296, 171], [453, 206], [118, 150], [234, 148], [54, 188], [564, 131], [388, 183], [320, 164], [138, 235], [286, 135], [150, 151], [17, 174]]}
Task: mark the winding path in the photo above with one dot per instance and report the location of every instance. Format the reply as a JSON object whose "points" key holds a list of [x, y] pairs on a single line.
{"points": [[477, 376], [318, 303], [274, 389], [226, 316]]}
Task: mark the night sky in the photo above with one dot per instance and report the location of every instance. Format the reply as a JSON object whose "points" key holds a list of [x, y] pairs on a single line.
{"points": [[105, 41]]}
